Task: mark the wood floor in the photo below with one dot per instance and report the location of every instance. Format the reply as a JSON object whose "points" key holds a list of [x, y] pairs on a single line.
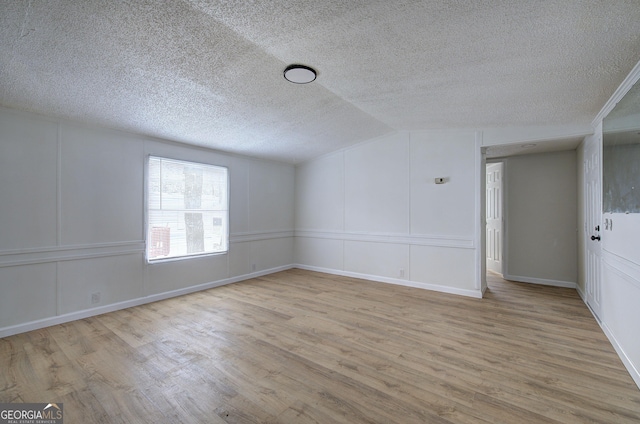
{"points": [[303, 347]]}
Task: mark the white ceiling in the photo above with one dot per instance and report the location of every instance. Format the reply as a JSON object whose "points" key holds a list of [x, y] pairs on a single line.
{"points": [[210, 72]]}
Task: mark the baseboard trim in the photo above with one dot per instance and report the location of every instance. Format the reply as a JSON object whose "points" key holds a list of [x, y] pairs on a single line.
{"points": [[555, 283], [426, 286], [47, 322], [628, 364], [86, 313], [633, 371]]}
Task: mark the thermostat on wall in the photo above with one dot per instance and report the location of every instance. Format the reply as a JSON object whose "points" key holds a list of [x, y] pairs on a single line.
{"points": [[440, 180]]}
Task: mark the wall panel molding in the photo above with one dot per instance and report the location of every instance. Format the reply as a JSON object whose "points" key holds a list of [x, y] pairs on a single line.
{"points": [[622, 279], [32, 256], [259, 235], [405, 239], [69, 253], [624, 268]]}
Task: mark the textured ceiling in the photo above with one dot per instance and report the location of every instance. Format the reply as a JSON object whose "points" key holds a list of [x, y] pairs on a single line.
{"points": [[210, 72]]}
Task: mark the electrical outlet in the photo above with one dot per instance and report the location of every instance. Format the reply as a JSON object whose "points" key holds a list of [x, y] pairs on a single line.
{"points": [[401, 272], [253, 267], [95, 298]]}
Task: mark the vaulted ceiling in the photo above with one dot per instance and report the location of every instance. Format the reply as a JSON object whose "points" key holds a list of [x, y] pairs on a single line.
{"points": [[209, 72]]}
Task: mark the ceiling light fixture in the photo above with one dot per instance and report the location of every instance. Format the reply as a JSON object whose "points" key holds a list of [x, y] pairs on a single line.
{"points": [[528, 146], [299, 74]]}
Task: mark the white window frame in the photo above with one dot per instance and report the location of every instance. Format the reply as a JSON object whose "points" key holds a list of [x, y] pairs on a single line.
{"points": [[149, 243]]}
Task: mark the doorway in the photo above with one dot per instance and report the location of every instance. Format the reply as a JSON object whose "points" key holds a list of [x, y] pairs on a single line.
{"points": [[530, 217], [494, 217], [593, 218]]}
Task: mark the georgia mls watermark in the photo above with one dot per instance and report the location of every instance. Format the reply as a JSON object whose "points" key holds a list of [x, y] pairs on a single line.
{"points": [[31, 413]]}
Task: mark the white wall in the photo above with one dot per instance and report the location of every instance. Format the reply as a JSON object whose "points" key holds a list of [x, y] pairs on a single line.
{"points": [[620, 281], [374, 211], [620, 276], [72, 213], [621, 287], [541, 224], [620, 234]]}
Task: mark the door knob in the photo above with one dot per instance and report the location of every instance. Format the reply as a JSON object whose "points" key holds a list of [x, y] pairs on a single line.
{"points": [[595, 238]]}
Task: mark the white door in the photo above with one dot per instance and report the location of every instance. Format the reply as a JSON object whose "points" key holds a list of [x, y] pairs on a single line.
{"points": [[593, 217], [494, 216]]}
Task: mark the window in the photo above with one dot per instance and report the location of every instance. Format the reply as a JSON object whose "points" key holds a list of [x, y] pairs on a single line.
{"points": [[187, 209]]}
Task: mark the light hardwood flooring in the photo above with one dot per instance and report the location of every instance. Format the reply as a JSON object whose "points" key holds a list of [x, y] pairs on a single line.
{"points": [[304, 347]]}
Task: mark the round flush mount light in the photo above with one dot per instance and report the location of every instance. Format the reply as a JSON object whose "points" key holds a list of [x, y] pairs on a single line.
{"points": [[529, 146], [299, 74]]}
